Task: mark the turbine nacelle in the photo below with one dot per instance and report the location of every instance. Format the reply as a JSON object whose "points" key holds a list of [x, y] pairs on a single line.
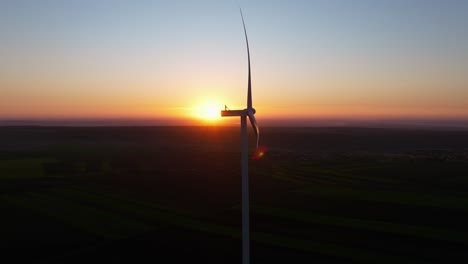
{"points": [[245, 113]]}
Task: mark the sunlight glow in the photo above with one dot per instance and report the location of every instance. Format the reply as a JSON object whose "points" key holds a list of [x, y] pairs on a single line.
{"points": [[209, 111]]}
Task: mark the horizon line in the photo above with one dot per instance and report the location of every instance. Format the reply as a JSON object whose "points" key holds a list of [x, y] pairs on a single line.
{"points": [[416, 122]]}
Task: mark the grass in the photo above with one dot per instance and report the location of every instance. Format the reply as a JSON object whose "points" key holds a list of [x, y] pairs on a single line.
{"points": [[113, 219], [112, 187], [23, 168], [365, 224], [380, 186], [90, 220], [390, 197]]}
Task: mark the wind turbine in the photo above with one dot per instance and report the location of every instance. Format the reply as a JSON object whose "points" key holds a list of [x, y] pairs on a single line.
{"points": [[250, 113]]}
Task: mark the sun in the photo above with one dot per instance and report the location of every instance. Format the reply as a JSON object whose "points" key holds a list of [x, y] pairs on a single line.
{"points": [[208, 111]]}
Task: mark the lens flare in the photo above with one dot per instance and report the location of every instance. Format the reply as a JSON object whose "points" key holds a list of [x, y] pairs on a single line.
{"points": [[259, 152]]}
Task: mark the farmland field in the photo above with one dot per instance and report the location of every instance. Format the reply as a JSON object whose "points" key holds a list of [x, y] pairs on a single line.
{"points": [[319, 195]]}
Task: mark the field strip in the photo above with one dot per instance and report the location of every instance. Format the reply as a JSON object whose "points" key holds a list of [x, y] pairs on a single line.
{"points": [[25, 168], [397, 197], [378, 226], [87, 219], [325, 176], [355, 254], [112, 225], [353, 177], [111, 200], [336, 175]]}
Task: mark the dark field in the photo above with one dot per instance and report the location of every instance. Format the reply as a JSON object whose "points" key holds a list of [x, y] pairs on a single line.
{"points": [[167, 194]]}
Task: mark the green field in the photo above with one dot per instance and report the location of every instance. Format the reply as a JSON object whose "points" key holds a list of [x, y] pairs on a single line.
{"points": [[125, 194]]}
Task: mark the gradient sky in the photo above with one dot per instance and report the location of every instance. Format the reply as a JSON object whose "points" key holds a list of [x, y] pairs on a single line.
{"points": [[162, 59]]}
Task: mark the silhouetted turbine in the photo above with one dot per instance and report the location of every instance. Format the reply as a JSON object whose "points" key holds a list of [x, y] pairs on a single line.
{"points": [[250, 113]]}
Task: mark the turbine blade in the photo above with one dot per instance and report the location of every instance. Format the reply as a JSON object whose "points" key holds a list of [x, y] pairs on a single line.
{"points": [[253, 121], [249, 84]]}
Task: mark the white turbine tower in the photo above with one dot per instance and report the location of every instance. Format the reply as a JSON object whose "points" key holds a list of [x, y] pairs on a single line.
{"points": [[248, 112]]}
